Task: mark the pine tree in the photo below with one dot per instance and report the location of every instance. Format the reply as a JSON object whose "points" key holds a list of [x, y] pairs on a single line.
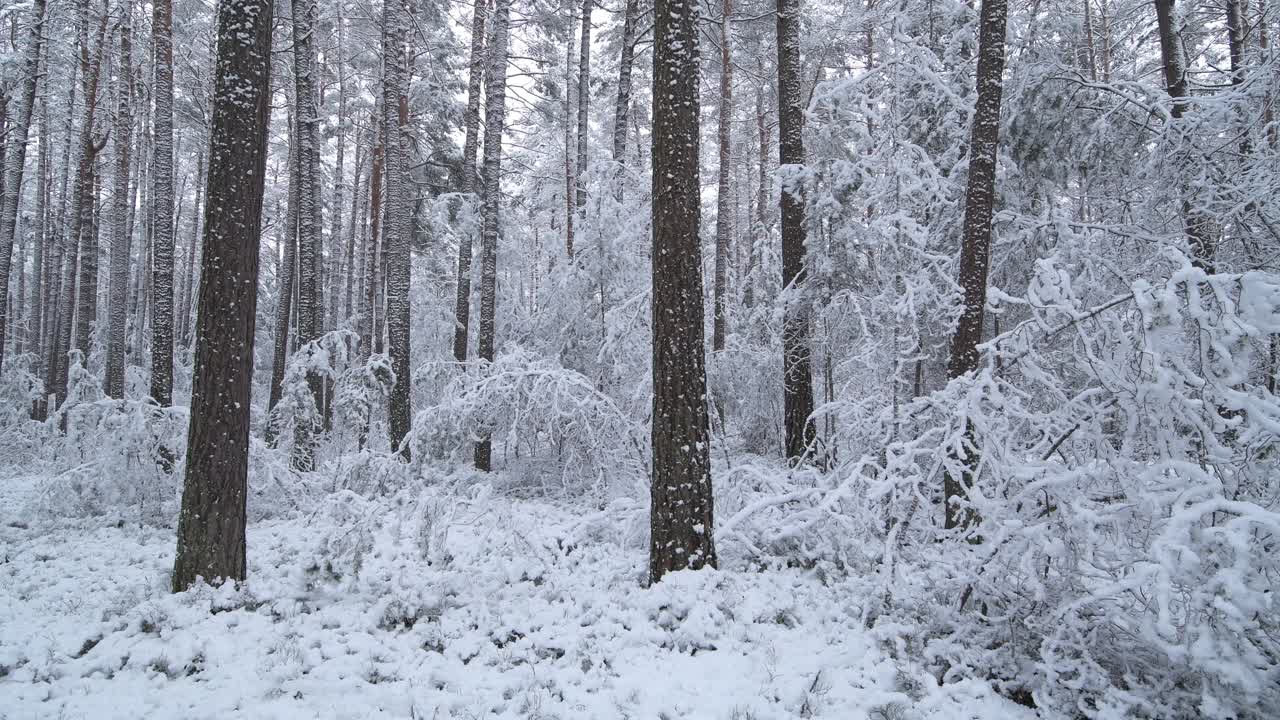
{"points": [[494, 119], [680, 524], [797, 375], [724, 199], [310, 257], [622, 108], [211, 525], [162, 205], [979, 201], [15, 158], [472, 182], [395, 218], [120, 239]]}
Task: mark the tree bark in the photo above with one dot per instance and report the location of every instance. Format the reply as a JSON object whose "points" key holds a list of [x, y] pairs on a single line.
{"points": [[584, 102], [494, 117], [119, 285], [797, 374], [336, 255], [395, 221], [79, 239], [15, 159], [284, 293], [569, 174], [1195, 225], [623, 107], [724, 197], [371, 332], [975, 250], [680, 524], [310, 255], [162, 206], [211, 525], [472, 183]]}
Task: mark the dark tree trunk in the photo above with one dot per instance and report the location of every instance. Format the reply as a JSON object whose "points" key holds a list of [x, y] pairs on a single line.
{"points": [[797, 375], [370, 318], [80, 215], [623, 107], [681, 531], [584, 102], [471, 181], [15, 157], [975, 250], [162, 207], [724, 197], [119, 285], [494, 115], [310, 256], [1195, 224], [395, 221], [569, 174], [284, 294], [211, 525]]}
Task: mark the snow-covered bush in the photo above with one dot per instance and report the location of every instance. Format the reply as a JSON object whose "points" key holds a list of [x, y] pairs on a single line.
{"points": [[563, 433], [1123, 561]]}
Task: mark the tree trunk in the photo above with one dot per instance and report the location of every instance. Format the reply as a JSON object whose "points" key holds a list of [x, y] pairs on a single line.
{"points": [[584, 101], [1194, 223], [975, 251], [371, 332], [336, 256], [310, 255], [395, 221], [724, 197], [569, 174], [681, 531], [211, 525], [471, 181], [797, 375], [623, 106], [119, 285], [284, 293], [39, 280], [15, 159], [357, 222], [79, 239], [162, 207], [494, 116]]}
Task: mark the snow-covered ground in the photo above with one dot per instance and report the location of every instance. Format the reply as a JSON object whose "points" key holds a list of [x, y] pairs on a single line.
{"points": [[513, 612]]}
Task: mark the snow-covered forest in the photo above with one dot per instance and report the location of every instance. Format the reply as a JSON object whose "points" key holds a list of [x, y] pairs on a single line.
{"points": [[654, 359]]}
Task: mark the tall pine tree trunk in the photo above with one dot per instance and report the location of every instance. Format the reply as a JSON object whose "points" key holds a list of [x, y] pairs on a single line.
{"points": [[569, 175], [284, 293], [979, 201], [370, 318], [584, 102], [80, 215], [162, 206], [797, 375], [119, 285], [494, 116], [1195, 224], [622, 109], [395, 220], [724, 198], [471, 181], [310, 256], [681, 532], [15, 158], [211, 525]]}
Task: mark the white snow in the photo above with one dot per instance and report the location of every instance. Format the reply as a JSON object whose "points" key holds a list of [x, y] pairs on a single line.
{"points": [[506, 615]]}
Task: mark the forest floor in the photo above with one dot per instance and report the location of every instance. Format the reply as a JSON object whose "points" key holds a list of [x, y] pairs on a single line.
{"points": [[513, 615]]}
